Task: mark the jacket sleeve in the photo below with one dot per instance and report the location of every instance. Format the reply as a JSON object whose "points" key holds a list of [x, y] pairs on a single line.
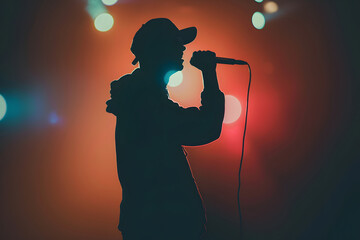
{"points": [[124, 104], [197, 126], [119, 98]]}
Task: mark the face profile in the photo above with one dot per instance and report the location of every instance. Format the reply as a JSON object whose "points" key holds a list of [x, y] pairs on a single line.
{"points": [[170, 56]]}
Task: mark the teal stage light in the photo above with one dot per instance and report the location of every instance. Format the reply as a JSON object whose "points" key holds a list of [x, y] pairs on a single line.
{"points": [[175, 79], [3, 107], [104, 22], [258, 20], [109, 2]]}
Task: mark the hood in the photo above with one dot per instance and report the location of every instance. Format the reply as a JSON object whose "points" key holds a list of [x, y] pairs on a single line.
{"points": [[119, 94], [132, 92]]}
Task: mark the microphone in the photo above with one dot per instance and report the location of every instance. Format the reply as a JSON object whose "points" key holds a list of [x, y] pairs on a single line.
{"points": [[230, 61]]}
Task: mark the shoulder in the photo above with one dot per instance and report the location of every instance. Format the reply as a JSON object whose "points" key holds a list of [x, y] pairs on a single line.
{"points": [[126, 82], [122, 86], [122, 81]]}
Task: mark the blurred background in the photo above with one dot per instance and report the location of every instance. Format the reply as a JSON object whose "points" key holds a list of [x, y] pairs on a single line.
{"points": [[57, 149]]}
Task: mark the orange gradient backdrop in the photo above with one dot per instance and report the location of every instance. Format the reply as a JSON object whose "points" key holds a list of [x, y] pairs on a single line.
{"points": [[61, 180]]}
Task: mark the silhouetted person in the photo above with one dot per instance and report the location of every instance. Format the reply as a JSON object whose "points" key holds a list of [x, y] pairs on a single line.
{"points": [[160, 198]]}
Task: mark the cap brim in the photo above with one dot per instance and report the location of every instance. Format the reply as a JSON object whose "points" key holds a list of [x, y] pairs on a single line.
{"points": [[187, 35]]}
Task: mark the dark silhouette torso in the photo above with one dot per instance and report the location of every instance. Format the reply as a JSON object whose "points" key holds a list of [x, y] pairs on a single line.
{"points": [[157, 183]]}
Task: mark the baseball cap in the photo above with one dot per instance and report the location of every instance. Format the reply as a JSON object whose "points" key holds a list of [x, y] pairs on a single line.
{"points": [[156, 31]]}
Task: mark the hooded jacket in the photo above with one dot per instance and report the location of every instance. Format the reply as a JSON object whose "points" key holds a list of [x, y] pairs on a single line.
{"points": [[157, 183]]}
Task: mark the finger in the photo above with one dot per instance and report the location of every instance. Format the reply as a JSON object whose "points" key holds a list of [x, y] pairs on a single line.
{"points": [[210, 53]]}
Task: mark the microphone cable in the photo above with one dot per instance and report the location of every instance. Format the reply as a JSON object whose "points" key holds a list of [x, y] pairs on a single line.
{"points": [[242, 153]]}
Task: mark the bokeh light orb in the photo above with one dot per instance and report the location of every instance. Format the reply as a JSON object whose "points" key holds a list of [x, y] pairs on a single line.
{"points": [[232, 109], [271, 7], [259, 1], [104, 22], [258, 20], [109, 2], [175, 78], [53, 118], [2, 107]]}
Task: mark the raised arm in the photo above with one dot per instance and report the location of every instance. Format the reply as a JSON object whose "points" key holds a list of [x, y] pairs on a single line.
{"points": [[197, 126]]}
